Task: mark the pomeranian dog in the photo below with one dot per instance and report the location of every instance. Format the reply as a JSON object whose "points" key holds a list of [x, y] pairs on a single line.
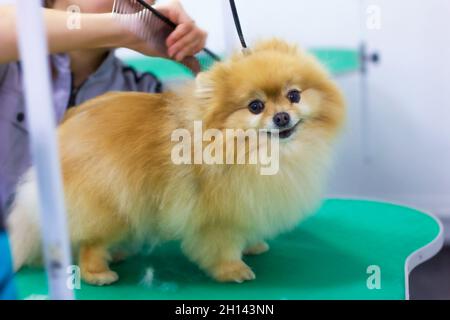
{"points": [[122, 184]]}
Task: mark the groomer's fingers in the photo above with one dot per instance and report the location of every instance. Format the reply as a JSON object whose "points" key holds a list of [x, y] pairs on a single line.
{"points": [[185, 44], [184, 41], [195, 41], [181, 31], [187, 51], [201, 44]]}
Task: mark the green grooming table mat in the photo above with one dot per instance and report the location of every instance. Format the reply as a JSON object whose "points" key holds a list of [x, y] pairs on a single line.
{"points": [[337, 61], [325, 257]]}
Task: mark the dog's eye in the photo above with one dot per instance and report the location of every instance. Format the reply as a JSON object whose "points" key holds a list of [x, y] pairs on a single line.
{"points": [[256, 106], [294, 96]]}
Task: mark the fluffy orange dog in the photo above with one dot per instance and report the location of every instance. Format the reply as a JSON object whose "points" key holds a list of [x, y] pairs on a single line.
{"points": [[122, 186]]}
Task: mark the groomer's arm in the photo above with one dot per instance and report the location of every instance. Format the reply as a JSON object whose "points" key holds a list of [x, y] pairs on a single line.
{"points": [[97, 31]]}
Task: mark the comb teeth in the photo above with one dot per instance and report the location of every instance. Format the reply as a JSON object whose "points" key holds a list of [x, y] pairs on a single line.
{"points": [[143, 23], [154, 28]]}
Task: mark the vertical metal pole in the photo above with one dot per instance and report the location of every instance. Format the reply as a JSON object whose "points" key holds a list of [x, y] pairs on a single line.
{"points": [[364, 92], [365, 106], [42, 130]]}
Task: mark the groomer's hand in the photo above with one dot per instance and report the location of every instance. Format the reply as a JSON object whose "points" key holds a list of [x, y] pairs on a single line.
{"points": [[187, 39]]}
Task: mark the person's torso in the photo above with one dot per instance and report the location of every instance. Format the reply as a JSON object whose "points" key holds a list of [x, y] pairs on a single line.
{"points": [[15, 158]]}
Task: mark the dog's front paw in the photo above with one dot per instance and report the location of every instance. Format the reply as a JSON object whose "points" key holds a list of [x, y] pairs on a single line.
{"points": [[100, 278], [233, 271]]}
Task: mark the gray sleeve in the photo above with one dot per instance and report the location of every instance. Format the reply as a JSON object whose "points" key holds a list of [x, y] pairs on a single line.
{"points": [[141, 81], [3, 72]]}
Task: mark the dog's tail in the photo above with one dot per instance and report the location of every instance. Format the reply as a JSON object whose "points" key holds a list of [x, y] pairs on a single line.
{"points": [[23, 223]]}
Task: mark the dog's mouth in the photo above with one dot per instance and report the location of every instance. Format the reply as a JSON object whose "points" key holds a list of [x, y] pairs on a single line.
{"points": [[287, 132]]}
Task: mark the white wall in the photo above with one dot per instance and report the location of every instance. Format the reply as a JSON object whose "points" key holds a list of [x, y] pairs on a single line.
{"points": [[295, 20], [410, 105]]}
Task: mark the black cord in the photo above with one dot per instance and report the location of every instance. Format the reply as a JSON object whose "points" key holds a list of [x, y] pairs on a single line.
{"points": [[173, 25], [237, 24]]}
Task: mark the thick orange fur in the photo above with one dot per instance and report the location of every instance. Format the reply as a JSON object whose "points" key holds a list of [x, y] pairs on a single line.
{"points": [[122, 186]]}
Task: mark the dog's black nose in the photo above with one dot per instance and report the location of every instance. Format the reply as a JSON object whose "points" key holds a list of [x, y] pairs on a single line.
{"points": [[281, 119]]}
